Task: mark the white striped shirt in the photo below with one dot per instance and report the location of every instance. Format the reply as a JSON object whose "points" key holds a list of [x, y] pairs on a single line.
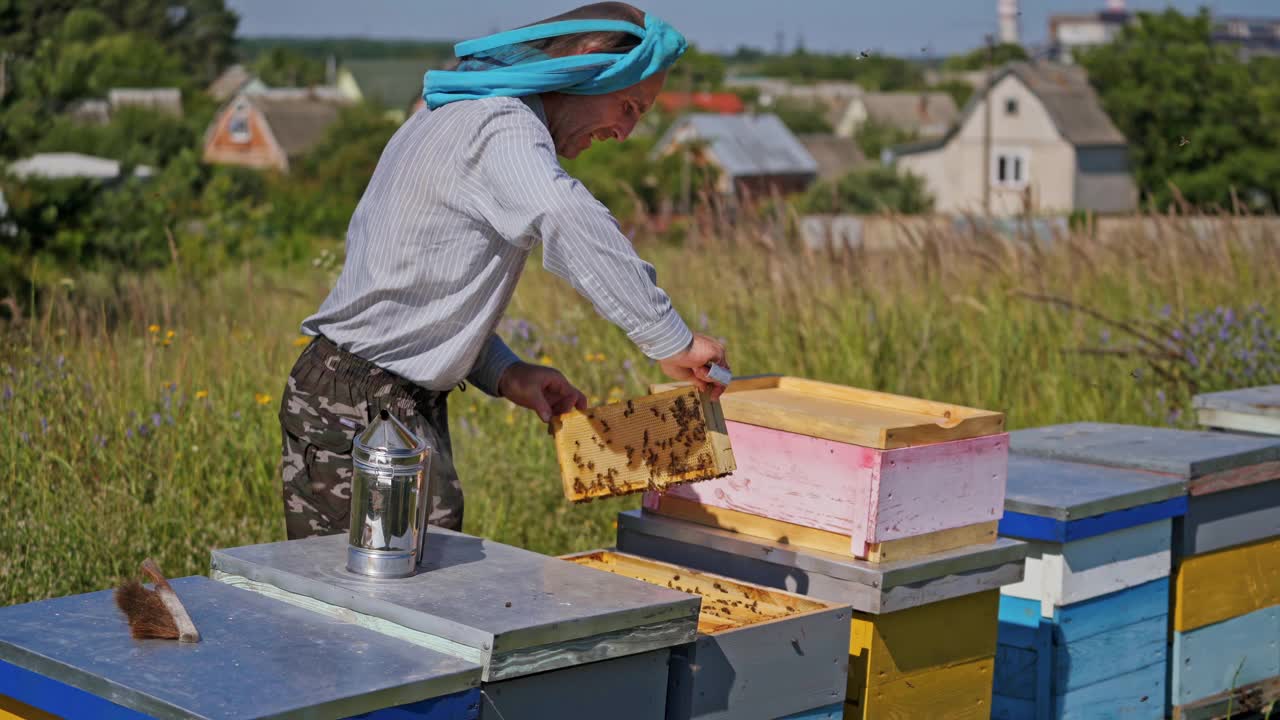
{"points": [[434, 250]]}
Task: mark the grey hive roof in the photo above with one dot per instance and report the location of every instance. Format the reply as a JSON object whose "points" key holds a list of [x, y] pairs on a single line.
{"points": [[747, 145]]}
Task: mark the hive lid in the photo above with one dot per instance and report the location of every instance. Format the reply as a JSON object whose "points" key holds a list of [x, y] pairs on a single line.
{"points": [[848, 414]]}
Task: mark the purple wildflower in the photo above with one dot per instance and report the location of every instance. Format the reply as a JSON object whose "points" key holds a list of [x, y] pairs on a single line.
{"points": [[44, 425], [143, 430], [1174, 415], [155, 419], [101, 440], [1104, 336], [522, 329], [702, 321], [626, 364], [8, 392], [24, 437], [128, 432], [236, 415], [1165, 311]]}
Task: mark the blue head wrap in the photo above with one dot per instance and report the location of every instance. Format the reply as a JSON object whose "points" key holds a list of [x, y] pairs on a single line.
{"points": [[500, 66]]}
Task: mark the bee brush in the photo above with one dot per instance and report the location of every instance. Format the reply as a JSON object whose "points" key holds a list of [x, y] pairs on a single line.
{"points": [[155, 613]]}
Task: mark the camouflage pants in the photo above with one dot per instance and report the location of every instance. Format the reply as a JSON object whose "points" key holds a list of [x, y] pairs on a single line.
{"points": [[331, 396]]}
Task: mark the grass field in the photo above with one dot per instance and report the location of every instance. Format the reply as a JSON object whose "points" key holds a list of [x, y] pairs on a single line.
{"points": [[140, 412]]}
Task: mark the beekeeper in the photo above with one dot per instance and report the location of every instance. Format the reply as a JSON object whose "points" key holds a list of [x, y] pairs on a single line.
{"points": [[462, 193]]}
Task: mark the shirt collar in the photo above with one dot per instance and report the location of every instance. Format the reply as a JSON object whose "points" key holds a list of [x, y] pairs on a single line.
{"points": [[535, 104]]}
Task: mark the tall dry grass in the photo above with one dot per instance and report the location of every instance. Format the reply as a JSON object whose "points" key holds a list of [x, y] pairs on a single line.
{"points": [[123, 440]]}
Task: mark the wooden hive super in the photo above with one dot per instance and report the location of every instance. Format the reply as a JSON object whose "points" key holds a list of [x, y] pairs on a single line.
{"points": [[866, 474], [760, 652], [897, 666], [647, 443], [1085, 633], [1245, 410], [1225, 646]]}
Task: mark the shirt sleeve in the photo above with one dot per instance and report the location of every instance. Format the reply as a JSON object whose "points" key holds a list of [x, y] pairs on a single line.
{"points": [[495, 357], [525, 194]]}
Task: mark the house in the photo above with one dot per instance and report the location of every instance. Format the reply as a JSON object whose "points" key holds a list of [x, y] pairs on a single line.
{"points": [[66, 165], [271, 129], [1252, 36], [725, 103], [164, 100], [924, 114], [756, 154], [1052, 148], [233, 81], [393, 85], [1072, 32], [836, 156]]}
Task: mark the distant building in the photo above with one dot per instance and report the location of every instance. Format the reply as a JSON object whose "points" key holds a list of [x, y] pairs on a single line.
{"points": [[90, 112], [926, 114], [1253, 36], [725, 103], [756, 154], [233, 81], [62, 166], [836, 156], [1052, 149], [1071, 33], [271, 129], [393, 85], [164, 100]]}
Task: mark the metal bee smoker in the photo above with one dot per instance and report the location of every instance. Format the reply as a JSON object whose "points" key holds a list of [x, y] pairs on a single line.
{"points": [[390, 496]]}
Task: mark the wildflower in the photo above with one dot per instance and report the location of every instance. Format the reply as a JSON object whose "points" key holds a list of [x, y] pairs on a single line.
{"points": [[1104, 336], [235, 415], [169, 335], [626, 364], [202, 394], [8, 392], [24, 437], [593, 401], [101, 440], [44, 425], [511, 418], [128, 432], [301, 341], [153, 328], [600, 357], [702, 321], [62, 360], [166, 343], [262, 398], [155, 419], [545, 359]]}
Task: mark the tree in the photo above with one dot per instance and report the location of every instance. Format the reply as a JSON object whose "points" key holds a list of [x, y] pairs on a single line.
{"points": [[978, 58], [869, 190], [697, 71], [801, 117], [1194, 116], [286, 67], [875, 136], [870, 70]]}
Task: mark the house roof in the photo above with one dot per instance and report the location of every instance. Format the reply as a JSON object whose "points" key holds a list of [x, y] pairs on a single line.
{"points": [[165, 99], [1068, 98], [836, 156], [745, 145], [71, 165], [229, 82], [297, 122], [715, 102], [391, 83], [929, 112]]}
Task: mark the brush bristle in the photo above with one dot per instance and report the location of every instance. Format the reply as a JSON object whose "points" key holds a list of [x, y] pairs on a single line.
{"points": [[147, 615]]}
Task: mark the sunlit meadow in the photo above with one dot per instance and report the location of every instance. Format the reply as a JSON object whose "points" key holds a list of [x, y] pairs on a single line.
{"points": [[140, 412]]}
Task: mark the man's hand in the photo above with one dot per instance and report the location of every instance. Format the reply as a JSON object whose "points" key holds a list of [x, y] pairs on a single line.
{"points": [[542, 389], [691, 364]]}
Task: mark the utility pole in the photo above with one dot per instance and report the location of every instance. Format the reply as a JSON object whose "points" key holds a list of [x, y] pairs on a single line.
{"points": [[986, 131]]}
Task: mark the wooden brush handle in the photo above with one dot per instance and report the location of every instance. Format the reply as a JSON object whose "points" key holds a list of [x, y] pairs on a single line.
{"points": [[186, 629]]}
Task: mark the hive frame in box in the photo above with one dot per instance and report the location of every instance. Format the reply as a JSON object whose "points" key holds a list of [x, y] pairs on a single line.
{"points": [[760, 652]]}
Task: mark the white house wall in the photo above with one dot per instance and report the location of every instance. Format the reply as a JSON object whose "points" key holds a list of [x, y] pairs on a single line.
{"points": [[954, 173]]}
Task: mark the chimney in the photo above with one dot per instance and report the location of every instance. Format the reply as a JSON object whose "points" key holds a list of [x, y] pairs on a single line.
{"points": [[1007, 10]]}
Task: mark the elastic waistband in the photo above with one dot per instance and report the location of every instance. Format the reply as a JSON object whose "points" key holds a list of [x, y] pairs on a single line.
{"points": [[361, 373]]}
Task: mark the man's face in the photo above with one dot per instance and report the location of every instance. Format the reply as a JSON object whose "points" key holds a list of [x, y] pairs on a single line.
{"points": [[575, 121]]}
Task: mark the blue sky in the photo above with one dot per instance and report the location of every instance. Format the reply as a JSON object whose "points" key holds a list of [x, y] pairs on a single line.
{"points": [[900, 27]]}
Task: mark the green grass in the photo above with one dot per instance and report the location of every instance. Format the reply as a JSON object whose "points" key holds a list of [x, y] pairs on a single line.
{"points": [[118, 446]]}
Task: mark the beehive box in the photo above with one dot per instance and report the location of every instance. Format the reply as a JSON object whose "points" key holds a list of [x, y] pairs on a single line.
{"points": [[760, 652], [541, 629], [1226, 623], [1246, 410], [73, 657], [897, 666], [1085, 633], [646, 443], [838, 469]]}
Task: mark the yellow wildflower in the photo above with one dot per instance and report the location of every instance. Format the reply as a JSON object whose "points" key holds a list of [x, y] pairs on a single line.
{"points": [[262, 398], [545, 359], [166, 342], [593, 401], [511, 418], [169, 335], [588, 356], [153, 328], [615, 392], [202, 394], [599, 357], [301, 340]]}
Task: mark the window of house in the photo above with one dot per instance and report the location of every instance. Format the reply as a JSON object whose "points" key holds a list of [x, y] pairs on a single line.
{"points": [[238, 128], [1010, 168], [1011, 106]]}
